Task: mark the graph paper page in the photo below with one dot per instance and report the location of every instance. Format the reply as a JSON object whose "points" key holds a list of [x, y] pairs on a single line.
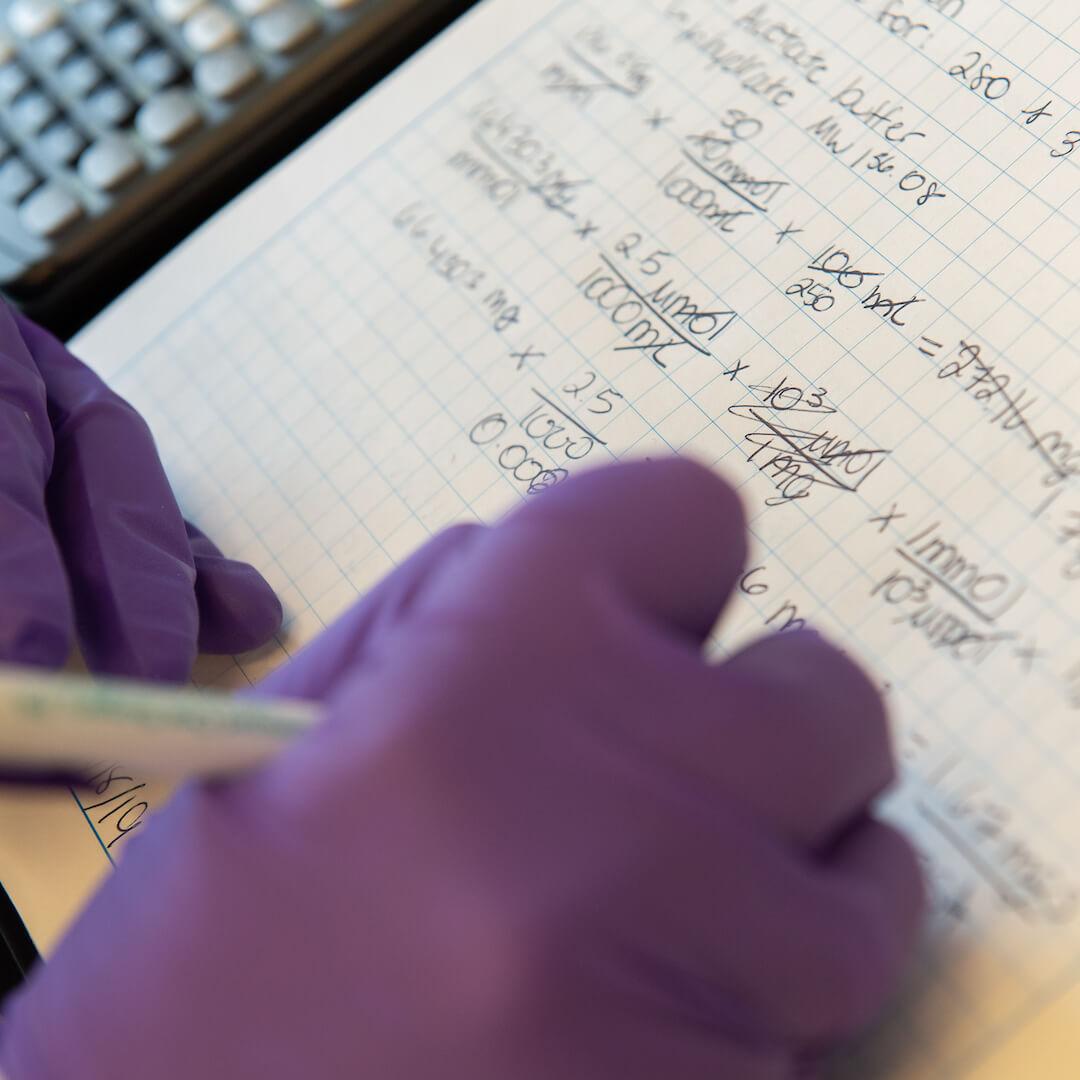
{"points": [[829, 247]]}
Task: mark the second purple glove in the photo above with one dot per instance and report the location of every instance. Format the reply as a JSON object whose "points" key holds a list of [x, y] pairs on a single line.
{"points": [[94, 548]]}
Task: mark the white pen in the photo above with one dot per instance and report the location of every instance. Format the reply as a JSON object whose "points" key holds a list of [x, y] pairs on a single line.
{"points": [[53, 727]]}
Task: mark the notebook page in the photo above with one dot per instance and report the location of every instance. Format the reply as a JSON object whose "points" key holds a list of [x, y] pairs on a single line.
{"points": [[828, 247]]}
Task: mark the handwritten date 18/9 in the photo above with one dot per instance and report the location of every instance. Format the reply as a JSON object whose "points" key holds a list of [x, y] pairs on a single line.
{"points": [[114, 802]]}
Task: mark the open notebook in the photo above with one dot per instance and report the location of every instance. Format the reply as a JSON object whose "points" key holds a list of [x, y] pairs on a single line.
{"points": [[831, 247]]}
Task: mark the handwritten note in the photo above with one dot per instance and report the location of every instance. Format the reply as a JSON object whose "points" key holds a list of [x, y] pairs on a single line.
{"points": [[830, 247]]}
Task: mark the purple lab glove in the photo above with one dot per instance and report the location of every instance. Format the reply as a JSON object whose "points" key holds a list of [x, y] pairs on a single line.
{"points": [[535, 836], [93, 545]]}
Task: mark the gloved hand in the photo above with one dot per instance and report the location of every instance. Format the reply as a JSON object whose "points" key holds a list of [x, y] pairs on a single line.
{"points": [[93, 544], [536, 836]]}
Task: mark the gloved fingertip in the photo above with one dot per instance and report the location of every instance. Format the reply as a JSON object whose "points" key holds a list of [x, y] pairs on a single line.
{"points": [[686, 503], [883, 859], [670, 533], [806, 657], [814, 747], [880, 882], [238, 610]]}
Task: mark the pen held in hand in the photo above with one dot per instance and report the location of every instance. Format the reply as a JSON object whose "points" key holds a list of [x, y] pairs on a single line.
{"points": [[53, 727]]}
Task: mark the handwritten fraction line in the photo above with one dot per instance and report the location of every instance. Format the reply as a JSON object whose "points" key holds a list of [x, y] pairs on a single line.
{"points": [[675, 330], [726, 184], [532, 188], [973, 608], [599, 72], [788, 435], [573, 419]]}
